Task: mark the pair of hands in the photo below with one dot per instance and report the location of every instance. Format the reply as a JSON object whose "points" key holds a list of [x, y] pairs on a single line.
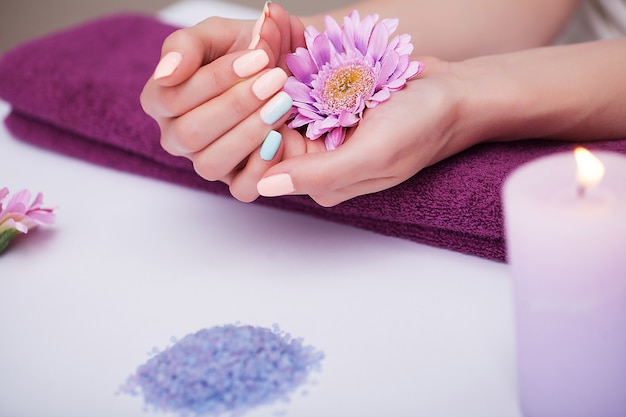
{"points": [[211, 108]]}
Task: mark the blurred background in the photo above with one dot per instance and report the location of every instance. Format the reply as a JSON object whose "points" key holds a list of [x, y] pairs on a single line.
{"points": [[21, 20]]}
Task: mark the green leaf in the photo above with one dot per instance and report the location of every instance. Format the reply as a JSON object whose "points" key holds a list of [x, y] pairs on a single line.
{"points": [[5, 238]]}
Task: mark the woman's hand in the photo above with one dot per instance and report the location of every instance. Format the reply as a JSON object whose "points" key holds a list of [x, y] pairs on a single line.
{"points": [[417, 127], [215, 95]]}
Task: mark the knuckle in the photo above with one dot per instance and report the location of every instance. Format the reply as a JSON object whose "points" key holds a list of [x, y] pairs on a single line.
{"points": [[220, 79], [170, 101], [243, 194], [159, 101], [240, 106], [204, 166], [176, 38], [185, 135]]}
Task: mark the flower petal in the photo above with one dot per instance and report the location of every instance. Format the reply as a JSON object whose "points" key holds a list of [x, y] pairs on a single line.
{"points": [[42, 216], [335, 138], [363, 34], [312, 115], [321, 50], [396, 84], [333, 31], [309, 36], [299, 121], [348, 119], [3, 193], [379, 97], [404, 47], [414, 69], [401, 66], [378, 42], [302, 65], [349, 29], [391, 23], [388, 67], [298, 91]]}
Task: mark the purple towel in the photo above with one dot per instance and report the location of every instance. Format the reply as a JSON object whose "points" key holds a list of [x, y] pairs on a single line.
{"points": [[77, 92]]}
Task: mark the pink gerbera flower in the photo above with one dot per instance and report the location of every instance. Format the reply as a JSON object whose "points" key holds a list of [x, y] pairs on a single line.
{"points": [[344, 70], [17, 216]]}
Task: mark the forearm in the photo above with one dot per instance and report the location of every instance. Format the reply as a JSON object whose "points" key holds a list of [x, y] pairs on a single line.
{"points": [[459, 29], [571, 92]]}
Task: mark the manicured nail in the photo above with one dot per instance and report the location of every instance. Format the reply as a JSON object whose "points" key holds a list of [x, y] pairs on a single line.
{"points": [[270, 145], [275, 185], [251, 63], [256, 30], [276, 108], [168, 65], [269, 83], [254, 42]]}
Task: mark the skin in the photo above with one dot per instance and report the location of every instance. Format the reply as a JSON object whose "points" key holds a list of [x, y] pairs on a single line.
{"points": [[498, 84]]}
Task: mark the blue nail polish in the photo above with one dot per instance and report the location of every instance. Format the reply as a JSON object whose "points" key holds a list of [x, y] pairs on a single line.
{"points": [[270, 145], [276, 108]]}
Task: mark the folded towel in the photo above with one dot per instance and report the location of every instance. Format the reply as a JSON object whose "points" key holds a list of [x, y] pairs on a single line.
{"points": [[77, 92]]}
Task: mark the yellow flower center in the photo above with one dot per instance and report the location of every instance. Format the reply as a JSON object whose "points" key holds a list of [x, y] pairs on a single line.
{"points": [[345, 85]]}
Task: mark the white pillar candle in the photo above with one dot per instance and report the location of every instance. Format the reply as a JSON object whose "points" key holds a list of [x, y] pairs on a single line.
{"points": [[566, 245]]}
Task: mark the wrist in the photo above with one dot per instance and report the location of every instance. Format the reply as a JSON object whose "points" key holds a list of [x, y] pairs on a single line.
{"points": [[491, 105]]}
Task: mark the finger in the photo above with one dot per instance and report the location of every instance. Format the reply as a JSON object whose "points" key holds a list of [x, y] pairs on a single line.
{"points": [[243, 183], [226, 153], [208, 82], [320, 172], [186, 50], [198, 128], [279, 18], [369, 186]]}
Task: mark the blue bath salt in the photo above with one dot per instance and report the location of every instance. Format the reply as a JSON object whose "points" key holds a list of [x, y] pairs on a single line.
{"points": [[224, 369]]}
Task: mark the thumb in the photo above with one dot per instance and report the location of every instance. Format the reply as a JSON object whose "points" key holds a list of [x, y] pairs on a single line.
{"points": [[324, 175]]}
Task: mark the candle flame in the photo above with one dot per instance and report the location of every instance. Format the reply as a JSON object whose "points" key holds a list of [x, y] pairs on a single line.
{"points": [[589, 169]]}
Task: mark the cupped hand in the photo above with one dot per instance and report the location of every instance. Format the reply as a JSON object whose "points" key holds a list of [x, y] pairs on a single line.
{"points": [[216, 95], [417, 127]]}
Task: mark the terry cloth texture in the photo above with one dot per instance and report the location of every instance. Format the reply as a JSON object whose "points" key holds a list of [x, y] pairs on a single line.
{"points": [[77, 92]]}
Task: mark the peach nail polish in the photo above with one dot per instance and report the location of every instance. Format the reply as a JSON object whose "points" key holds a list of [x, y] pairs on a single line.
{"points": [[275, 185], [167, 65], [254, 42], [251, 63], [256, 31], [269, 83]]}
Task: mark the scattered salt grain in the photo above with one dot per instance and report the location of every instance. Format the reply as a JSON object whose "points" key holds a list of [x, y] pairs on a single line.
{"points": [[224, 369]]}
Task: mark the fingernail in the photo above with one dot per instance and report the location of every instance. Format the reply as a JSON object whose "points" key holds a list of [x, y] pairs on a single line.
{"points": [[270, 145], [254, 42], [275, 185], [276, 108], [266, 8], [256, 30], [269, 83], [167, 65], [251, 63]]}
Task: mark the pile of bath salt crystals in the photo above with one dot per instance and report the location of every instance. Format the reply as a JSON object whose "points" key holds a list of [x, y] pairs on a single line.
{"points": [[224, 369]]}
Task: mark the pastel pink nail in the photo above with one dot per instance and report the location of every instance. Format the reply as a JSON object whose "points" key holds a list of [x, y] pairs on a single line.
{"points": [[269, 83], [251, 63], [275, 185], [256, 31], [168, 65]]}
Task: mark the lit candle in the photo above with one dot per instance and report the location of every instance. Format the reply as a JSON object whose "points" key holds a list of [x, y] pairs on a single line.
{"points": [[566, 242]]}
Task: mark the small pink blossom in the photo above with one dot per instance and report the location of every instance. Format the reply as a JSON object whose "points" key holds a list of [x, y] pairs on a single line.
{"points": [[345, 70], [18, 215]]}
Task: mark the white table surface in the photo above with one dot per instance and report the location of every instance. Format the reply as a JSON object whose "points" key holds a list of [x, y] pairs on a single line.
{"points": [[407, 329]]}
